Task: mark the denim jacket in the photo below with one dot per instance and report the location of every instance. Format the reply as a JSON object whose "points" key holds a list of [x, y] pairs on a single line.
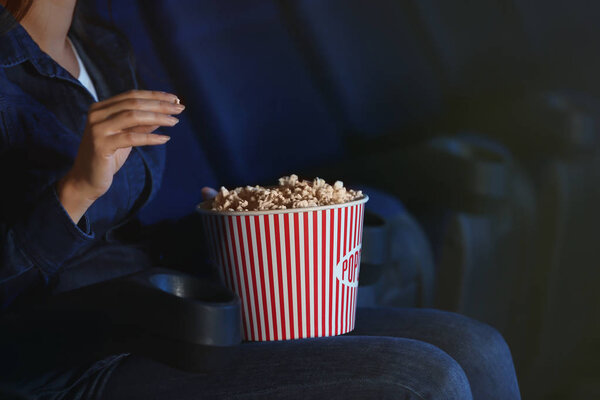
{"points": [[43, 112]]}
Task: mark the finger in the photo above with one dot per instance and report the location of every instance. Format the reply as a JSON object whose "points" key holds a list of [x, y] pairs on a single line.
{"points": [[134, 139], [128, 119], [157, 106], [209, 193], [138, 94], [143, 128]]}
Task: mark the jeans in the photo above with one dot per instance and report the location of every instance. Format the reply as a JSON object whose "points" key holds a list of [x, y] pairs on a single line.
{"points": [[392, 354]]}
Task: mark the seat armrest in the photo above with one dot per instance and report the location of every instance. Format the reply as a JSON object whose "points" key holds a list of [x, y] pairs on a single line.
{"points": [[163, 314], [548, 124], [447, 172]]}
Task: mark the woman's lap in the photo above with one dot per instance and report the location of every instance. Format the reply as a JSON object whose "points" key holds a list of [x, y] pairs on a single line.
{"points": [[393, 353], [478, 348], [341, 367]]}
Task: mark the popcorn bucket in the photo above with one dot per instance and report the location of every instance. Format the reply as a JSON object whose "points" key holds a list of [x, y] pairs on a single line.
{"points": [[295, 271]]}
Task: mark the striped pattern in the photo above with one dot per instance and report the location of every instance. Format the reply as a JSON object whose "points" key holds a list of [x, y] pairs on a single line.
{"points": [[296, 273]]}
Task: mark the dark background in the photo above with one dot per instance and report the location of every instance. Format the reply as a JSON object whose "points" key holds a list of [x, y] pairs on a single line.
{"points": [[473, 125]]}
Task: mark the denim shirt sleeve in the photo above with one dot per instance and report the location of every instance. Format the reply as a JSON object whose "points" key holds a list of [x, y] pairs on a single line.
{"points": [[34, 246]]}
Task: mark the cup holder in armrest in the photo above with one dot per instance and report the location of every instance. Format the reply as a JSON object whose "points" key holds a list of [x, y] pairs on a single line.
{"points": [[181, 307], [193, 289], [173, 317]]}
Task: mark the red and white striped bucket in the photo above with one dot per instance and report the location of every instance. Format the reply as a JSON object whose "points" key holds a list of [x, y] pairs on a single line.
{"points": [[295, 271]]}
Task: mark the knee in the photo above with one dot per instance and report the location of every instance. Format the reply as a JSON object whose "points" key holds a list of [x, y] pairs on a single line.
{"points": [[485, 341], [483, 354], [463, 336], [419, 369]]}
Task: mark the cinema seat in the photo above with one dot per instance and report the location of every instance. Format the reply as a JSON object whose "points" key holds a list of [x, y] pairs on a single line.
{"points": [[397, 75]]}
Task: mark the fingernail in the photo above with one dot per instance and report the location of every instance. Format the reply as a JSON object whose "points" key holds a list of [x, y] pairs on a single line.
{"points": [[163, 138], [173, 121], [177, 101], [179, 107]]}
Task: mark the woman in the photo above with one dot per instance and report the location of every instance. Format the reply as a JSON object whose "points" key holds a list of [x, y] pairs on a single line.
{"points": [[81, 156]]}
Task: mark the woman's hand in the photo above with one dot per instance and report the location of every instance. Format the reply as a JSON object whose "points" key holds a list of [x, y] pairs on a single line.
{"points": [[114, 126]]}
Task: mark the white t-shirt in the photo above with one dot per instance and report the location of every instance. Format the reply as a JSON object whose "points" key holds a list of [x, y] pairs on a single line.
{"points": [[84, 77]]}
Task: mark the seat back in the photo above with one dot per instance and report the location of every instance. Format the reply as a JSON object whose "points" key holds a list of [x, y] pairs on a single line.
{"points": [[480, 46], [563, 37], [235, 61], [378, 68]]}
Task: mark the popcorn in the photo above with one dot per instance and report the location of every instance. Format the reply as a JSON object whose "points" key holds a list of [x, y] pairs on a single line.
{"points": [[291, 193]]}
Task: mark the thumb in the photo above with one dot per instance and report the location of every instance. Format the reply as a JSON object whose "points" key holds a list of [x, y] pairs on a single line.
{"points": [[208, 193]]}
